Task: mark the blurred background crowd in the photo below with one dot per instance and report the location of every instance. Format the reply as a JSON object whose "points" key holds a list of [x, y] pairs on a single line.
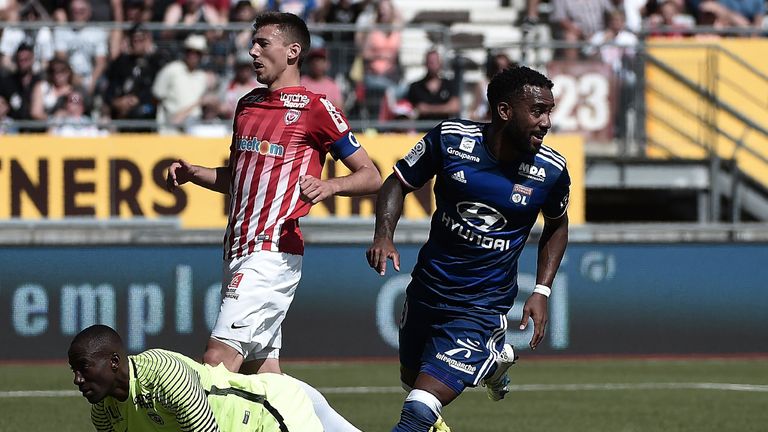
{"points": [[88, 67]]}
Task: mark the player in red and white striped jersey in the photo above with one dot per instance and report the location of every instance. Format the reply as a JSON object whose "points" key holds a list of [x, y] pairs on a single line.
{"points": [[281, 136]]}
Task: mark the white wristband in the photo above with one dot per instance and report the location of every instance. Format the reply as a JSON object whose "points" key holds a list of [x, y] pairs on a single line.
{"points": [[543, 290]]}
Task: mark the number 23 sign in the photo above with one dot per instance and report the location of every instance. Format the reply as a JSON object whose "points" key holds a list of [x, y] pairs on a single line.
{"points": [[585, 98]]}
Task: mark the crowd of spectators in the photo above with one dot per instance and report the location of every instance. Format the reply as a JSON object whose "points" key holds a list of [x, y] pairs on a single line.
{"points": [[74, 75]]}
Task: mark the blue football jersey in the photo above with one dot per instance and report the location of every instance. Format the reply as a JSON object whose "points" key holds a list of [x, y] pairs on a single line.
{"points": [[485, 210]]}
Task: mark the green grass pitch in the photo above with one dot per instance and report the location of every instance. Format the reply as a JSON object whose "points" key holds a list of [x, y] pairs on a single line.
{"points": [[548, 395]]}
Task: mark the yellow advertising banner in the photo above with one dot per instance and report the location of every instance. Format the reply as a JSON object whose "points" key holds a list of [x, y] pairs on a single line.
{"points": [[123, 176]]}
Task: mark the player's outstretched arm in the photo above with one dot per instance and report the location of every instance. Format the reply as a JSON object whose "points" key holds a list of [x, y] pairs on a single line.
{"points": [[389, 208], [554, 240], [215, 179]]}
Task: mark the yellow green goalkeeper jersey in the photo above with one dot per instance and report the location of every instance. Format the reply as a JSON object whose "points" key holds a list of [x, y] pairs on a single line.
{"points": [[171, 392]]}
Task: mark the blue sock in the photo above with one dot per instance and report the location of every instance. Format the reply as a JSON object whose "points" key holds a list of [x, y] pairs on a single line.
{"points": [[420, 412]]}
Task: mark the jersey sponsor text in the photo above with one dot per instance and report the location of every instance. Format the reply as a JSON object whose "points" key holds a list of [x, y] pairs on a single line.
{"points": [[473, 237]]}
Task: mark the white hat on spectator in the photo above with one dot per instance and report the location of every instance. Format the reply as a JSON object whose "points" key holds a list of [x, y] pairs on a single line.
{"points": [[196, 42]]}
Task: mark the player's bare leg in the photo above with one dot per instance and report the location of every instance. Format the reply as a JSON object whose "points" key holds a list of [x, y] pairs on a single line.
{"points": [[217, 352], [271, 365]]}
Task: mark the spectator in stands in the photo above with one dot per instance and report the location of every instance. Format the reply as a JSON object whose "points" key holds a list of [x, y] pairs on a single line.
{"points": [[434, 97], [531, 12], [305, 9], [340, 44], [7, 126], [735, 13], [380, 56], [241, 83], [494, 64], [71, 120], [130, 77], [134, 12], [48, 95], [317, 80], [41, 39], [242, 12], [577, 20], [181, 85], [633, 13], [198, 12], [9, 10], [137, 11], [101, 10], [158, 9], [84, 48], [190, 12], [17, 88], [615, 46], [668, 15]]}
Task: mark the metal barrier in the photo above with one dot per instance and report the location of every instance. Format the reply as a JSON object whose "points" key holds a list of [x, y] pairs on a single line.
{"points": [[371, 107]]}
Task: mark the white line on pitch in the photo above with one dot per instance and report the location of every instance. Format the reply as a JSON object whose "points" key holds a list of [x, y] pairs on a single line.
{"points": [[515, 388]]}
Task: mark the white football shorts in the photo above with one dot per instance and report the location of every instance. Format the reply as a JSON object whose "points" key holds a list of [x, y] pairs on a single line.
{"points": [[256, 290]]}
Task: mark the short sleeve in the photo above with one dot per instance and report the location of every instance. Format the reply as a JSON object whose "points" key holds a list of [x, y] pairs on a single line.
{"points": [[557, 200], [422, 162], [326, 124]]}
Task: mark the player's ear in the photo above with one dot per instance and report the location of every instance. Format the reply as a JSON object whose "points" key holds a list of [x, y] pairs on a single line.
{"points": [[114, 362], [294, 51], [504, 110]]}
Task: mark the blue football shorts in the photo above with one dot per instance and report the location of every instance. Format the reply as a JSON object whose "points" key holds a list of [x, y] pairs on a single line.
{"points": [[459, 348]]}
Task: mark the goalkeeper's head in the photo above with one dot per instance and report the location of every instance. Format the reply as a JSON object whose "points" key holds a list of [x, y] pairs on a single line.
{"points": [[97, 359]]}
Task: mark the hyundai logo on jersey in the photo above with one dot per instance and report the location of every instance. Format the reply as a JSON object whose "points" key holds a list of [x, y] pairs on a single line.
{"points": [[481, 216]]}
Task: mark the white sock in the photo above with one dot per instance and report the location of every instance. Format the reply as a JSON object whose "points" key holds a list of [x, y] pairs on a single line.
{"points": [[331, 420]]}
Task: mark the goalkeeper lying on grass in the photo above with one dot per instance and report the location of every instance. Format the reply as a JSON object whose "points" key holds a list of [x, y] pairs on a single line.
{"points": [[160, 390]]}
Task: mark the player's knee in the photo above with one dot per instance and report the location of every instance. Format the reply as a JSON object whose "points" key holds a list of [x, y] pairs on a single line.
{"points": [[407, 378], [420, 411], [215, 354], [213, 357]]}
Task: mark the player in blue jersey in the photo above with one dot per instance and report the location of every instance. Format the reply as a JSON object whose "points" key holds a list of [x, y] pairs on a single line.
{"points": [[491, 183]]}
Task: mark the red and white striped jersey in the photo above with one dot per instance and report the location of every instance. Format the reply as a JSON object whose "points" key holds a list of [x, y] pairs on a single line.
{"points": [[277, 137]]}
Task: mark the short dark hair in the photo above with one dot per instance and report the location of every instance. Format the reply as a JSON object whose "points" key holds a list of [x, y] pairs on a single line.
{"points": [[293, 29], [510, 82], [25, 46], [99, 339]]}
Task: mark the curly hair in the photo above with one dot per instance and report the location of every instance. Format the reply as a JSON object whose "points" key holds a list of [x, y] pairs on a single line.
{"points": [[509, 83]]}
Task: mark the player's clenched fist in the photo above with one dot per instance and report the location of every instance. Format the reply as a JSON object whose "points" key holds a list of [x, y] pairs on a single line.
{"points": [[314, 190], [179, 173]]}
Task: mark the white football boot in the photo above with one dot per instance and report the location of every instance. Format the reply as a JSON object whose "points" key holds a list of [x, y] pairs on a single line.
{"points": [[497, 385]]}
